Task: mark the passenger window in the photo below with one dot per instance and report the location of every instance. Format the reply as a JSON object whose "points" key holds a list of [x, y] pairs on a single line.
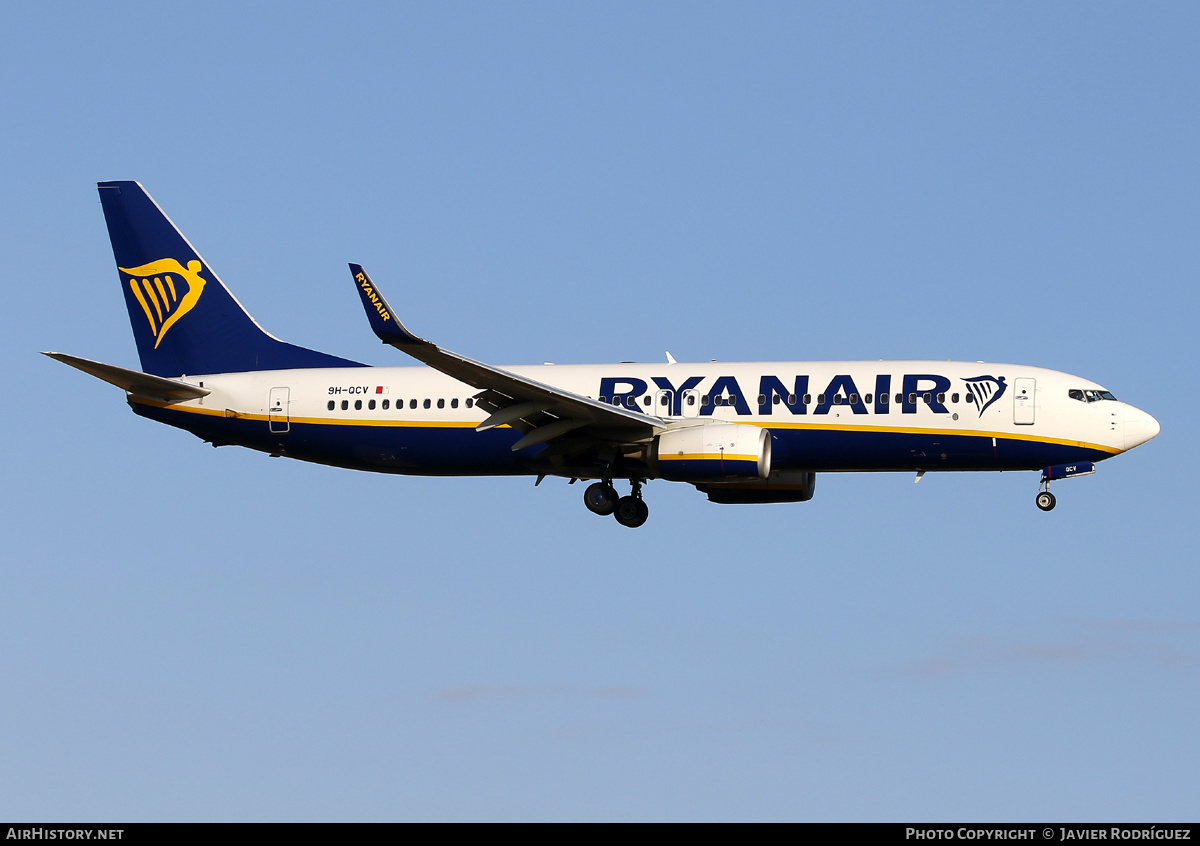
{"points": [[604, 400], [775, 400], [883, 399], [691, 399], [762, 399], [441, 403], [412, 403], [820, 399], [386, 404], [704, 399], [941, 397], [371, 405], [969, 399], [867, 399], [453, 403], [345, 404], [358, 405], [808, 399], [954, 398], [427, 403], [837, 399], [470, 402], [900, 398], [330, 406], [646, 401], [854, 399], [791, 399], [912, 399]]}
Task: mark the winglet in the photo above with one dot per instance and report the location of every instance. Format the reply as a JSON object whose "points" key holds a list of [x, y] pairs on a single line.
{"points": [[383, 320]]}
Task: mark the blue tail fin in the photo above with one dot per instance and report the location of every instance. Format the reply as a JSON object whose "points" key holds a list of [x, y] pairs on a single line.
{"points": [[184, 319]]}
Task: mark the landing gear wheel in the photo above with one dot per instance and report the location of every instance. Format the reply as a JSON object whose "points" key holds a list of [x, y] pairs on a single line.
{"points": [[600, 498], [1045, 500], [631, 511]]}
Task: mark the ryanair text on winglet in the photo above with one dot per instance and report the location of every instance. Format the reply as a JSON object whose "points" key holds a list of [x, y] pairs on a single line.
{"points": [[372, 296]]}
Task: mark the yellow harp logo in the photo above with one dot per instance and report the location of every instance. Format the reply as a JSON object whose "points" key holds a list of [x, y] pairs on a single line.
{"points": [[154, 287]]}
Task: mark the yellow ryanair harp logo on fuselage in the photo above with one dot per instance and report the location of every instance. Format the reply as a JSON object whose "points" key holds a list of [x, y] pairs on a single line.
{"points": [[154, 287]]}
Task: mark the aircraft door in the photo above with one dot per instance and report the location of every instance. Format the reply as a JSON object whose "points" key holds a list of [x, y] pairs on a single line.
{"points": [[691, 404], [277, 410], [1023, 392]]}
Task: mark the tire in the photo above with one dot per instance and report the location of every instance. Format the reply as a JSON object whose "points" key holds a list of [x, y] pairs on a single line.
{"points": [[631, 511], [1045, 501], [600, 498]]}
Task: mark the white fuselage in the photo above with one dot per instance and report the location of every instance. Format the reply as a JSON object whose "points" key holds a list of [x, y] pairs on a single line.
{"points": [[854, 415]]}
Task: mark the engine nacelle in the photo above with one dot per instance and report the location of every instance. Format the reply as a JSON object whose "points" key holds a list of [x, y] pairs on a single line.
{"points": [[785, 486], [712, 452]]}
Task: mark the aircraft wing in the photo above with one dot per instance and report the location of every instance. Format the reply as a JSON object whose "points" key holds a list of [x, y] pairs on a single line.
{"points": [[541, 412], [134, 381]]}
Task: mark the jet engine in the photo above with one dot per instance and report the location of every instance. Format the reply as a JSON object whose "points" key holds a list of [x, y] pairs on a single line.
{"points": [[712, 452]]}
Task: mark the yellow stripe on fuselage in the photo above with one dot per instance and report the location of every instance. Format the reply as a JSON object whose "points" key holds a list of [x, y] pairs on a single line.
{"points": [[823, 427]]}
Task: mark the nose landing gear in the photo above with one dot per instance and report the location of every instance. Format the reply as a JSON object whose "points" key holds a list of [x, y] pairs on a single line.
{"points": [[601, 498], [1045, 499]]}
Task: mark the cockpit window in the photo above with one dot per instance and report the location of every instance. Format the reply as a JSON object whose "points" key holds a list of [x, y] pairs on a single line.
{"points": [[1090, 395]]}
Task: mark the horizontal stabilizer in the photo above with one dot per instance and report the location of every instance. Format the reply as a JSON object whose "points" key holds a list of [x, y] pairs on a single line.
{"points": [[134, 381]]}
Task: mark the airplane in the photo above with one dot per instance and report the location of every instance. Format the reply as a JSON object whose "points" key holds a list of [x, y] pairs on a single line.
{"points": [[738, 432]]}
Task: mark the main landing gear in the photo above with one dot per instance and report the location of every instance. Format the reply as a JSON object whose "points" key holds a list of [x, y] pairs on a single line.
{"points": [[601, 498]]}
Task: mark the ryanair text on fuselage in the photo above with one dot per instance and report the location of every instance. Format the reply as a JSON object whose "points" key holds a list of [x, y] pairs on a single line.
{"points": [[792, 395]]}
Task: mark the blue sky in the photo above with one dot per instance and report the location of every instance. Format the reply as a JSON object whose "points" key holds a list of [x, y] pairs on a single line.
{"points": [[208, 634]]}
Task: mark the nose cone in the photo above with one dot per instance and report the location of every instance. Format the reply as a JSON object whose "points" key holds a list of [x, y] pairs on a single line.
{"points": [[1139, 427]]}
